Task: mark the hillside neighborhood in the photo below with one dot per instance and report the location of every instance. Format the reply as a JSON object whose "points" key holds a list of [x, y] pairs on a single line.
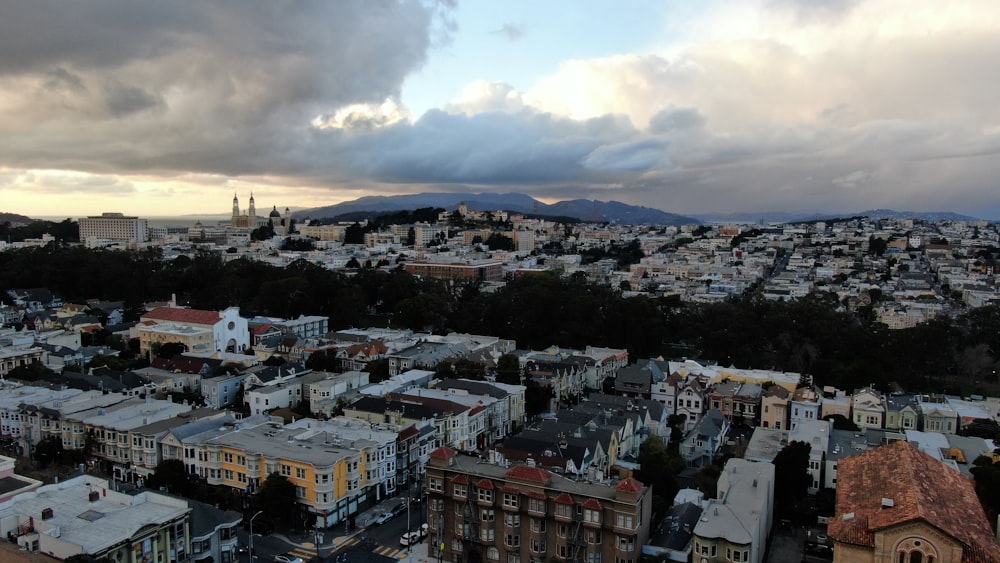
{"points": [[515, 453]]}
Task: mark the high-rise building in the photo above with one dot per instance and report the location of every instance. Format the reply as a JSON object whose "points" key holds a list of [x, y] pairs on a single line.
{"points": [[112, 227]]}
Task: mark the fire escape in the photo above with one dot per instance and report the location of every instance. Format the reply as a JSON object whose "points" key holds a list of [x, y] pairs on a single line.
{"points": [[575, 538]]}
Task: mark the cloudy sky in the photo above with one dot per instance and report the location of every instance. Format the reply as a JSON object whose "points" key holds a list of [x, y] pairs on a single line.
{"points": [[167, 108]]}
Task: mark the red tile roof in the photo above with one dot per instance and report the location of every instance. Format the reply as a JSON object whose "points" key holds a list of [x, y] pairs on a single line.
{"points": [[526, 473], [443, 452], [564, 498], [408, 432], [629, 485], [484, 484], [192, 316], [535, 494], [509, 489], [921, 488], [593, 504], [460, 479]]}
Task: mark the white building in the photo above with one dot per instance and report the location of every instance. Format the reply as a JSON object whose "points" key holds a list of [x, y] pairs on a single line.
{"points": [[112, 227], [735, 525]]}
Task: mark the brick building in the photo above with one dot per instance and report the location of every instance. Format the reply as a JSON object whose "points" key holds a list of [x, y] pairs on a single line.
{"points": [[481, 512]]}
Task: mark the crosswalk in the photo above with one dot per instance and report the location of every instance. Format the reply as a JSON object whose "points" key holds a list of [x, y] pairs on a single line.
{"points": [[307, 551], [391, 552]]}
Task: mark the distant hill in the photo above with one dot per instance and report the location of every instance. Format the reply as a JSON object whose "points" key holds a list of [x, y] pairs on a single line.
{"points": [[582, 209], [786, 217], [14, 219]]}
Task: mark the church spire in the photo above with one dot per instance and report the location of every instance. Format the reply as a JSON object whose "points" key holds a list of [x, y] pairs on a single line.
{"points": [[236, 205], [253, 208]]}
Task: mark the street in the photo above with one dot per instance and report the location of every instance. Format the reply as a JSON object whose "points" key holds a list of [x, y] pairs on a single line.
{"points": [[378, 543]]}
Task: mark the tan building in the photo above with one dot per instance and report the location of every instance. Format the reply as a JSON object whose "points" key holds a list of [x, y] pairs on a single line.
{"points": [[896, 504], [774, 408], [520, 513]]}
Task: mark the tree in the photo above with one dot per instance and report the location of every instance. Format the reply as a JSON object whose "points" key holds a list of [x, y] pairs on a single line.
{"points": [[791, 476], [987, 477], [168, 350], [48, 450], [509, 369], [276, 496], [171, 475]]}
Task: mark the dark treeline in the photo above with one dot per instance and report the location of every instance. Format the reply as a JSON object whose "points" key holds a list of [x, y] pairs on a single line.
{"points": [[808, 335]]}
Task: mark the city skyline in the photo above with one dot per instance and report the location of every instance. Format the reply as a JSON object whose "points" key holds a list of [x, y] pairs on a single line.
{"points": [[715, 107]]}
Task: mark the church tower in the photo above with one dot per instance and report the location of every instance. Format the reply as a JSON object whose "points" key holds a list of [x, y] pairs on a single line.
{"points": [[253, 209], [236, 206]]}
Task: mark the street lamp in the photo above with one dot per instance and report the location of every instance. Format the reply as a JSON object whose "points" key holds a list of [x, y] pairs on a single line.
{"points": [[259, 512]]}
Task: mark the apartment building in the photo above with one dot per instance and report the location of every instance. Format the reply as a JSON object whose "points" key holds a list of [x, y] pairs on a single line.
{"points": [[520, 513], [334, 474]]}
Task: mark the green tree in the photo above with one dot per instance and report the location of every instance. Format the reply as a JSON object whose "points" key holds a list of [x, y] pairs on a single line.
{"points": [[987, 477], [171, 475], [48, 451], [509, 369], [276, 496], [791, 477]]}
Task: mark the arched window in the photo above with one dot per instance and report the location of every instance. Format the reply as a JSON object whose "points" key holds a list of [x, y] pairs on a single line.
{"points": [[916, 557]]}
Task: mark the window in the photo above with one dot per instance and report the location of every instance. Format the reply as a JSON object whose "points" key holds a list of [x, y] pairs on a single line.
{"points": [[593, 536], [227, 474], [562, 530], [434, 484], [510, 500], [538, 545], [492, 553], [512, 520], [592, 516], [300, 492], [487, 515], [286, 470], [461, 491], [624, 520], [594, 557], [485, 495], [512, 540], [537, 525], [437, 504], [227, 457], [627, 543], [536, 505], [513, 558], [564, 510], [300, 473]]}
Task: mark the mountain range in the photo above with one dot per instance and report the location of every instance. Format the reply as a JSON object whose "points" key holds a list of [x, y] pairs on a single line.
{"points": [[582, 209], [591, 210]]}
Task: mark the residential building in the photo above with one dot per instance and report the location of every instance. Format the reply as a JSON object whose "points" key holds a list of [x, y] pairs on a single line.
{"points": [[815, 433], [804, 404], [702, 444], [12, 484], [736, 524], [896, 503], [937, 414], [774, 407], [213, 533], [692, 401], [86, 515], [491, 512], [867, 410], [901, 411]]}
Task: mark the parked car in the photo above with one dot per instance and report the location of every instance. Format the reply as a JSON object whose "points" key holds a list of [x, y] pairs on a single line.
{"points": [[287, 558], [399, 509], [410, 538]]}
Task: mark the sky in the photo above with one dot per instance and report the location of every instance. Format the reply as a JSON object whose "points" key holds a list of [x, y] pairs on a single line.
{"points": [[171, 108]]}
